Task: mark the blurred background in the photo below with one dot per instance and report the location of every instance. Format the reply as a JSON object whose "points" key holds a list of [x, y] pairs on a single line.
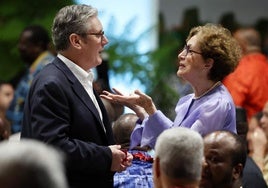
{"points": [[145, 37]]}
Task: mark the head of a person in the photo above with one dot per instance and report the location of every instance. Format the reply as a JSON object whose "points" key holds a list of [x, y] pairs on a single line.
{"points": [[30, 163], [6, 95], [264, 119], [33, 41], [225, 155], [123, 127], [254, 121], [178, 158], [249, 39], [210, 52], [78, 34]]}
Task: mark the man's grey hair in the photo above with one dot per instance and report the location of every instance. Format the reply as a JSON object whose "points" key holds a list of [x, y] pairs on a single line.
{"points": [[180, 151], [30, 163], [71, 19]]}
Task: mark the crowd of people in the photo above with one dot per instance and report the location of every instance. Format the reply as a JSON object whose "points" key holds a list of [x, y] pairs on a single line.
{"points": [[74, 134]]}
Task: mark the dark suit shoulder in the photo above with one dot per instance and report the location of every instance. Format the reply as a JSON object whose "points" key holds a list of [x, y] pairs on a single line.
{"points": [[252, 175]]}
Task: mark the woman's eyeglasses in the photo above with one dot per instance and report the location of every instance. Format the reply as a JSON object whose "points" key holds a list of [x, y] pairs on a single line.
{"points": [[188, 50]]}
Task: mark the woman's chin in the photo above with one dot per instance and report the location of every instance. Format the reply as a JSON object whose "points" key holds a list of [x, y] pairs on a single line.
{"points": [[180, 73]]}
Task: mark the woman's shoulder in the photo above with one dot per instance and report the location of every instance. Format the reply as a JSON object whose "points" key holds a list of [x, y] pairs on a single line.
{"points": [[224, 94], [220, 98]]}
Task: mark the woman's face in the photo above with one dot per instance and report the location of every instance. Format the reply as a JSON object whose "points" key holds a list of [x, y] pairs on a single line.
{"points": [[192, 66]]}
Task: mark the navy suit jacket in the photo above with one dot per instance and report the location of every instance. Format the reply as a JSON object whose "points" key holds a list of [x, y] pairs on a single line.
{"points": [[252, 175], [59, 111]]}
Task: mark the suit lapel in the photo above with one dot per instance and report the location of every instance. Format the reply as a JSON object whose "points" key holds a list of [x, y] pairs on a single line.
{"points": [[106, 121], [83, 95], [79, 90]]}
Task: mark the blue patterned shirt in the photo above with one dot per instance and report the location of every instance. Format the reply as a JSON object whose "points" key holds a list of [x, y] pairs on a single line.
{"points": [[138, 175], [15, 111]]}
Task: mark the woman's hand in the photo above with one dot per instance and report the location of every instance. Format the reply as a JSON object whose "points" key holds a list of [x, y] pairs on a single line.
{"points": [[118, 97], [133, 101]]}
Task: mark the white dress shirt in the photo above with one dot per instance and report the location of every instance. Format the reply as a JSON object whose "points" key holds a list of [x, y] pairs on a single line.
{"points": [[86, 78]]}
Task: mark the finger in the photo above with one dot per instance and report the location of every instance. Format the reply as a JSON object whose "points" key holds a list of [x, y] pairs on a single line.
{"points": [[107, 93], [115, 146], [123, 167], [106, 97], [137, 91], [117, 91], [118, 146], [127, 163], [129, 156], [141, 94]]}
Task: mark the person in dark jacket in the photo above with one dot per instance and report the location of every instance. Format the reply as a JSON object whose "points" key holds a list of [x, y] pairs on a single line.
{"points": [[63, 109]]}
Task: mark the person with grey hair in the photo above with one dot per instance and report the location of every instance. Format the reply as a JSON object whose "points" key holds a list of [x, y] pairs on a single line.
{"points": [[30, 163], [178, 158], [63, 109]]}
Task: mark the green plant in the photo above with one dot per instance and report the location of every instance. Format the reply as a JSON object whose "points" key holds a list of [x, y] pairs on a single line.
{"points": [[14, 16], [152, 68]]}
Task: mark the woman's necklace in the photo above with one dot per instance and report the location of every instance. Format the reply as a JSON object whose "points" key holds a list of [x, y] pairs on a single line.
{"points": [[211, 88]]}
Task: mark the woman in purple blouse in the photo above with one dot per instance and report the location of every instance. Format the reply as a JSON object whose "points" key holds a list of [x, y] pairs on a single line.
{"points": [[209, 55]]}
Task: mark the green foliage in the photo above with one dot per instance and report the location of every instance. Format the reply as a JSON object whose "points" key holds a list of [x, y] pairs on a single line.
{"points": [[14, 16], [152, 69]]}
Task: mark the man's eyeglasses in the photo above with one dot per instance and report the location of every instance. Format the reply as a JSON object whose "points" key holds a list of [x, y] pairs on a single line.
{"points": [[99, 35], [188, 50]]}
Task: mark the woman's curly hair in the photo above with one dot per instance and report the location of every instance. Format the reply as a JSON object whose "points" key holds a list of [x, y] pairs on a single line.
{"points": [[217, 43]]}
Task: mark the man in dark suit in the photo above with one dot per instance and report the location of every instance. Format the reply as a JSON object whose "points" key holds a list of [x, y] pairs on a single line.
{"points": [[62, 108]]}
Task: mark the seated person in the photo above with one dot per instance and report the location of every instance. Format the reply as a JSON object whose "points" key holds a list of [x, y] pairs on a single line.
{"points": [[139, 174], [252, 175], [258, 142], [225, 157], [30, 163], [178, 158]]}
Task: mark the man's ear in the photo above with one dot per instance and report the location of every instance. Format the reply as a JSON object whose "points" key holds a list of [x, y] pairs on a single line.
{"points": [[237, 171], [209, 63], [75, 40]]}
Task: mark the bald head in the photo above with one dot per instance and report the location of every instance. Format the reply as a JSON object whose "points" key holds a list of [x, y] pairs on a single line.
{"points": [[228, 142], [225, 156], [123, 128], [249, 39]]}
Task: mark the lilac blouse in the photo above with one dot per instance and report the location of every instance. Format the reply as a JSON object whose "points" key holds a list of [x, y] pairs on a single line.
{"points": [[211, 112]]}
